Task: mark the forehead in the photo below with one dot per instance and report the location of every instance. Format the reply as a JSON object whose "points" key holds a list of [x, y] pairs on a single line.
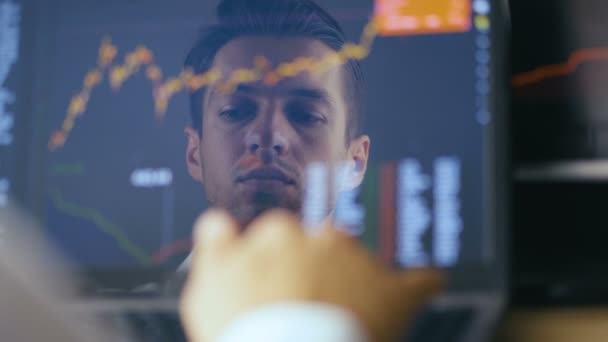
{"points": [[241, 53]]}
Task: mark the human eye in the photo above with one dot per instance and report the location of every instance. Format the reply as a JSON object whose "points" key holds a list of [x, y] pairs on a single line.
{"points": [[238, 112], [303, 116]]}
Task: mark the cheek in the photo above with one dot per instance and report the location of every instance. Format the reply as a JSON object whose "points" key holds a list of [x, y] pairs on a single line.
{"points": [[218, 153], [220, 139], [319, 147]]}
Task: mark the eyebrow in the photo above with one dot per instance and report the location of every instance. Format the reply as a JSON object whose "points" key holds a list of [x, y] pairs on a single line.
{"points": [[312, 94], [301, 92], [317, 95], [241, 88]]}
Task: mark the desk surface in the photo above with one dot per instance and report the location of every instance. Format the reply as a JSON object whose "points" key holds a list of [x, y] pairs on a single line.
{"points": [[555, 325]]}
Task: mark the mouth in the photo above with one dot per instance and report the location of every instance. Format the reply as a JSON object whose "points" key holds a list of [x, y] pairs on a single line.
{"points": [[266, 175]]}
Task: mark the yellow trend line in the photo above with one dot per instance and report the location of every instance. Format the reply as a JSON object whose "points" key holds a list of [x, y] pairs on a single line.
{"points": [[102, 223], [163, 91]]}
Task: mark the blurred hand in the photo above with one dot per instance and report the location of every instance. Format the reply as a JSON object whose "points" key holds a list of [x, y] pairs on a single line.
{"points": [[276, 261]]}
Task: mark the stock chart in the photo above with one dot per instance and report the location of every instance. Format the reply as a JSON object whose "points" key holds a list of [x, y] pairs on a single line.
{"points": [[560, 74], [113, 105]]}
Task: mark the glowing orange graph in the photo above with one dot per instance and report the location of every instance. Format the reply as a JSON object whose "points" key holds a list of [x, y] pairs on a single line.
{"points": [[434, 16], [405, 17], [163, 90], [556, 70]]}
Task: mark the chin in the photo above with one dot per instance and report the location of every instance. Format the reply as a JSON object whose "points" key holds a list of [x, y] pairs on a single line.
{"points": [[261, 202]]}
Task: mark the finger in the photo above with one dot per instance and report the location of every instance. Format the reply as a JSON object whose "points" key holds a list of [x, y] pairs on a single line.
{"points": [[188, 310], [319, 228], [214, 233], [273, 226], [418, 287], [331, 239], [330, 230]]}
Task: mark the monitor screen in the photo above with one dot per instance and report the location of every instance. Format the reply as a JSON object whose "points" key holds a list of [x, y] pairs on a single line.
{"points": [[559, 81], [139, 115]]}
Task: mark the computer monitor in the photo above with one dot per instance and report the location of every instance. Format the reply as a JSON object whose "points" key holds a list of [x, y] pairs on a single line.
{"points": [[559, 75], [100, 99]]}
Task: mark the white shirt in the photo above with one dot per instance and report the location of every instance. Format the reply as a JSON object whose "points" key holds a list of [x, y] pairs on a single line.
{"points": [[295, 322]]}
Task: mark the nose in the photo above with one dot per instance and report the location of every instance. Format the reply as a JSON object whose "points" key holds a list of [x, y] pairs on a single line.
{"points": [[268, 135]]}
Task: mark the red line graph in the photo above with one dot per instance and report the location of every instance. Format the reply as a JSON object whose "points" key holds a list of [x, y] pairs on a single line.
{"points": [[167, 251], [556, 70]]}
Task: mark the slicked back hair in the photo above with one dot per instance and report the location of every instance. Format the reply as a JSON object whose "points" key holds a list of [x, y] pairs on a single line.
{"points": [[281, 18]]}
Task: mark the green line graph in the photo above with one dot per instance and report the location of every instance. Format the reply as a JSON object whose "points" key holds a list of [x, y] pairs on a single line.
{"points": [[102, 223], [67, 169]]}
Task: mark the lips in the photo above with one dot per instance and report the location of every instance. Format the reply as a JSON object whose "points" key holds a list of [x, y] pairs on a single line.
{"points": [[266, 174]]}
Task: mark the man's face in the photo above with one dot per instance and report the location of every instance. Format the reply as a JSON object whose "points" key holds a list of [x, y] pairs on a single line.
{"points": [[257, 140]]}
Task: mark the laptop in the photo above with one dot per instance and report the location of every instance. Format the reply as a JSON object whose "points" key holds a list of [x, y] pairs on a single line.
{"points": [[92, 131]]}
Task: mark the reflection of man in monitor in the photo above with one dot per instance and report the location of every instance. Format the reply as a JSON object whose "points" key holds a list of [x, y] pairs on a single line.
{"points": [[250, 146]]}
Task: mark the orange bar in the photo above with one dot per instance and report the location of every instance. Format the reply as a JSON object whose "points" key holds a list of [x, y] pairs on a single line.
{"points": [[414, 17]]}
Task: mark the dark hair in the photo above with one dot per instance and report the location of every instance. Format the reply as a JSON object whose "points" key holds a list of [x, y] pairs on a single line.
{"points": [[297, 18]]}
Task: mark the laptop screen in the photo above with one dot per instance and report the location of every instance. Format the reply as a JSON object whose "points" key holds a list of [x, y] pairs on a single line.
{"points": [[131, 118]]}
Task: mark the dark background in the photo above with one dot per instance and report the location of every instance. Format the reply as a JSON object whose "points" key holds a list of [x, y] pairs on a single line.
{"points": [[559, 220]]}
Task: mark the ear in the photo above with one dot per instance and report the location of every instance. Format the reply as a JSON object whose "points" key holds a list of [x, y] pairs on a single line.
{"points": [[358, 154], [193, 154]]}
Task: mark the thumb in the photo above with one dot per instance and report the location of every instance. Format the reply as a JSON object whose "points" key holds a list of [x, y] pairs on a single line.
{"points": [[214, 233]]}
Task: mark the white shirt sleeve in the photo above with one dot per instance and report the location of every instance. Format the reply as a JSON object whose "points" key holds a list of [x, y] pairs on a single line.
{"points": [[295, 322]]}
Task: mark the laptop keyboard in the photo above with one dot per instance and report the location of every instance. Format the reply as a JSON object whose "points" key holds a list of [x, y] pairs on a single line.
{"points": [[444, 324]]}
